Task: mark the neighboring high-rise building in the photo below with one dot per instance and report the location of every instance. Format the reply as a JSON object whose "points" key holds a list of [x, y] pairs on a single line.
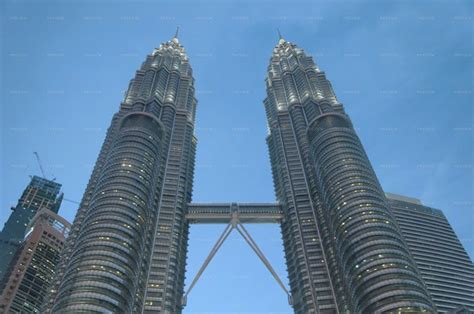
{"points": [[343, 248], [127, 247], [40, 193], [444, 264], [31, 272]]}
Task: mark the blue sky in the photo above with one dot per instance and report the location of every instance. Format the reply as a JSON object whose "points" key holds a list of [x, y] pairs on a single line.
{"points": [[402, 69]]}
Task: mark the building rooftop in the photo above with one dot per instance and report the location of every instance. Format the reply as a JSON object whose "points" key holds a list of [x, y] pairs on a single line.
{"points": [[403, 198]]}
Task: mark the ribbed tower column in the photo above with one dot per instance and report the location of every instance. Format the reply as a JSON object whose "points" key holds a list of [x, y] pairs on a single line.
{"points": [[374, 259], [104, 269], [294, 84], [344, 252], [126, 252]]}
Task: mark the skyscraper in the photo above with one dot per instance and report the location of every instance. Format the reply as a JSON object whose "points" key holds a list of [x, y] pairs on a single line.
{"points": [[40, 193], [343, 248], [127, 247], [25, 286], [443, 263]]}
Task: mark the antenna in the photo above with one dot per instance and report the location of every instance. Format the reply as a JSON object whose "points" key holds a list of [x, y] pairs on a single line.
{"points": [[279, 34]]}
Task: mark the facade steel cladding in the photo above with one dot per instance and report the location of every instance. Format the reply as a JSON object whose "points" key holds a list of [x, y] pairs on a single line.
{"points": [[126, 251], [344, 251]]}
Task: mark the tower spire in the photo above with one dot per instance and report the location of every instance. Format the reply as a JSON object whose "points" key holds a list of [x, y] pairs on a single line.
{"points": [[176, 33], [281, 39], [175, 37]]}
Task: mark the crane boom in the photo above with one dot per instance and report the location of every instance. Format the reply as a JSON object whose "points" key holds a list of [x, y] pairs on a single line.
{"points": [[71, 201], [39, 163]]}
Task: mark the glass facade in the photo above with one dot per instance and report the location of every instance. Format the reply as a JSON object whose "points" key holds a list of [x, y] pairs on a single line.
{"points": [[442, 260], [40, 193], [33, 266]]}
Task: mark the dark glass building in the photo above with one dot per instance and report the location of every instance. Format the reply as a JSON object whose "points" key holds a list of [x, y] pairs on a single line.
{"points": [[40, 193], [127, 247], [343, 248], [31, 272], [442, 260]]}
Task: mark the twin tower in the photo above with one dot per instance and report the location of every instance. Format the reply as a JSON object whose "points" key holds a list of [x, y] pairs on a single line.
{"points": [[127, 248]]}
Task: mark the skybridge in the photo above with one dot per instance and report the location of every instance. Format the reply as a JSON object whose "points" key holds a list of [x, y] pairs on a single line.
{"points": [[235, 215], [220, 213]]}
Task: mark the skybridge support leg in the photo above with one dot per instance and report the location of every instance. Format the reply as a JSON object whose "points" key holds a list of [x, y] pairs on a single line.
{"points": [[213, 252], [234, 223], [246, 235]]}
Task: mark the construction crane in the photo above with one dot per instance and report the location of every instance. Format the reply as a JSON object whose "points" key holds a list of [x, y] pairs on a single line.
{"points": [[71, 201], [41, 166], [44, 176], [39, 163]]}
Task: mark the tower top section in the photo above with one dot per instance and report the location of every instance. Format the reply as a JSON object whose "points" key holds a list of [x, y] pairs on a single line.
{"points": [[294, 78], [172, 46], [287, 56], [285, 48]]}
